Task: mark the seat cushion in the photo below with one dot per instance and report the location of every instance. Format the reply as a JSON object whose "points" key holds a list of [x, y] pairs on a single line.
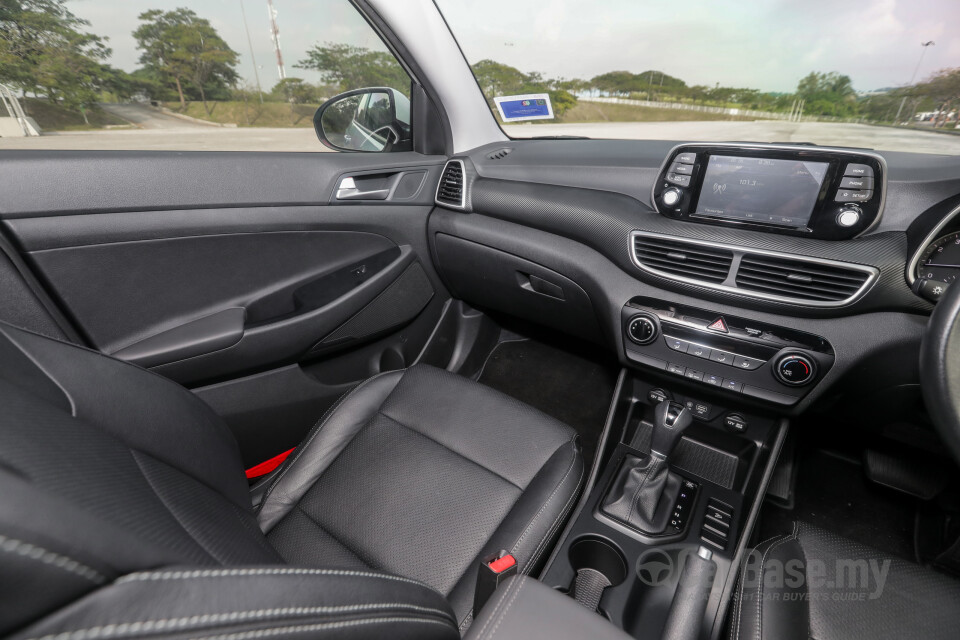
{"points": [[421, 473], [816, 584]]}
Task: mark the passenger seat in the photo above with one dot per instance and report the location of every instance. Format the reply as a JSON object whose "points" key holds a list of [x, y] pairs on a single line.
{"points": [[125, 507]]}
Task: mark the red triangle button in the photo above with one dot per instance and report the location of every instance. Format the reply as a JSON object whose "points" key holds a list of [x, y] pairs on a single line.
{"points": [[718, 325]]}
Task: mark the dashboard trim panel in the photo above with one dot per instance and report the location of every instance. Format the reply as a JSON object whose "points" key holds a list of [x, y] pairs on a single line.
{"points": [[872, 272]]}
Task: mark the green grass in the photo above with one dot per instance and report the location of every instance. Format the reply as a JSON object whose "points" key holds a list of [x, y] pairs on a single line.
{"points": [[250, 114], [606, 112], [53, 117]]}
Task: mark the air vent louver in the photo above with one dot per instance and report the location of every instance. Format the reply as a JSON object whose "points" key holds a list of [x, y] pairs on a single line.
{"points": [[500, 154], [798, 279], [684, 259], [450, 189]]}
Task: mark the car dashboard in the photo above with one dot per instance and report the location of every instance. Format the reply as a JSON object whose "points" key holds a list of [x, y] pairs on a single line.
{"points": [[659, 251]]}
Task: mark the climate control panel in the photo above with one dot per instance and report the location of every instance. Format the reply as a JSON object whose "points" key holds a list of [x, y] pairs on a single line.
{"points": [[738, 355]]}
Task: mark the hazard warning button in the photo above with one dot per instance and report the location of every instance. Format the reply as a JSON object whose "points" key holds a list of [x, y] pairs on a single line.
{"points": [[718, 325]]}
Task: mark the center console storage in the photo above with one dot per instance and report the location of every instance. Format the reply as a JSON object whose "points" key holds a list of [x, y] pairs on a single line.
{"points": [[655, 544]]}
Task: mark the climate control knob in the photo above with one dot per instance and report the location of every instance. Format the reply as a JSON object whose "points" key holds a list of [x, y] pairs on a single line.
{"points": [[643, 328], [795, 369], [670, 196]]}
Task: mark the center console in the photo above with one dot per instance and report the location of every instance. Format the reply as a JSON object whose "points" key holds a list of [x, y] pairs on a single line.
{"points": [[832, 194], [655, 544]]}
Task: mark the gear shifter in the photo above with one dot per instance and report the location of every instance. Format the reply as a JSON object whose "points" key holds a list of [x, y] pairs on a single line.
{"points": [[671, 419], [644, 491]]}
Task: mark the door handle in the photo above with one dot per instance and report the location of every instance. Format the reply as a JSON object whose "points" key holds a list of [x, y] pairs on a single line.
{"points": [[348, 190]]}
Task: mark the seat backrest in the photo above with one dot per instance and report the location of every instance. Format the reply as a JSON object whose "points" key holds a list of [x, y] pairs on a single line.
{"points": [[105, 469]]}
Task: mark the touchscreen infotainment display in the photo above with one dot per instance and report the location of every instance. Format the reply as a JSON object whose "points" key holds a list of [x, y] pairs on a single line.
{"points": [[761, 190]]}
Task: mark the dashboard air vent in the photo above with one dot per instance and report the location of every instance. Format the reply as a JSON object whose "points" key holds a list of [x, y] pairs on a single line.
{"points": [[799, 279], [684, 259], [500, 154], [450, 190]]}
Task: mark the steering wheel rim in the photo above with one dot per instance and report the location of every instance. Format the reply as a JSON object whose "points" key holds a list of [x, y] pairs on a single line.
{"points": [[940, 368]]}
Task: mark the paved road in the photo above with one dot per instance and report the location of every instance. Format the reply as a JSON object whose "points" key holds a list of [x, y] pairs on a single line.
{"points": [[187, 136], [147, 117], [823, 133]]}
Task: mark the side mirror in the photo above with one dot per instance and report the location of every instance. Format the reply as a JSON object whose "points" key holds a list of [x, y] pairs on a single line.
{"points": [[375, 119]]}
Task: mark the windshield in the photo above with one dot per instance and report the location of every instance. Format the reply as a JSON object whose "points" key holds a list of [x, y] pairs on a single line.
{"points": [[883, 74]]}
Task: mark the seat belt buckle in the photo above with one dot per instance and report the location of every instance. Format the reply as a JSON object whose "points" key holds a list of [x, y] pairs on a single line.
{"points": [[493, 570]]}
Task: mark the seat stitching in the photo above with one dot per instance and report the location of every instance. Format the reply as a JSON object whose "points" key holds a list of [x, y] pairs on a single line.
{"points": [[224, 573], [316, 430], [740, 608], [556, 523], [515, 585], [120, 629], [457, 453], [274, 631], [33, 552], [523, 535], [503, 616], [541, 546], [330, 533], [760, 586]]}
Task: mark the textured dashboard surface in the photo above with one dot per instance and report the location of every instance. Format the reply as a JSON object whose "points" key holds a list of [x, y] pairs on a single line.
{"points": [[604, 220], [915, 181]]}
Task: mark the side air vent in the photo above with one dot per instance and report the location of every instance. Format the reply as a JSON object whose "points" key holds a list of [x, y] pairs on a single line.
{"points": [[450, 191], [800, 279], [499, 154], [688, 260]]}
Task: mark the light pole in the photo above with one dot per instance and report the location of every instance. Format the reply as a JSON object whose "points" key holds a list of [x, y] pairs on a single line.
{"points": [[252, 57], [923, 51]]}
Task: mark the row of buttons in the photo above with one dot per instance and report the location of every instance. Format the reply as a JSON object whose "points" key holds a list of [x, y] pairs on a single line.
{"points": [[681, 171], [716, 525], [857, 184], [709, 378], [714, 355]]}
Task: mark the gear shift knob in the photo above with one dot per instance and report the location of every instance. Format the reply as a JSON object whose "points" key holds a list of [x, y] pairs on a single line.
{"points": [[671, 419]]}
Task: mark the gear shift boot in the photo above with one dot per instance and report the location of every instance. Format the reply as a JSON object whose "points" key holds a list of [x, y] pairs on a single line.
{"points": [[644, 491], [643, 494]]}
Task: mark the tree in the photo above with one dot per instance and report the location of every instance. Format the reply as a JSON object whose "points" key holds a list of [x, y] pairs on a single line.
{"points": [[830, 94], [497, 79], [352, 67], [43, 50], [179, 47], [944, 88]]}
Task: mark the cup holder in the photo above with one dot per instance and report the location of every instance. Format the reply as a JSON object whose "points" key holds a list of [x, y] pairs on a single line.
{"points": [[601, 555]]}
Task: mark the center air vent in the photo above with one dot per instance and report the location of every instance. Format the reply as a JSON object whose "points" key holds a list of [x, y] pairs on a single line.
{"points": [[768, 275], [685, 259], [450, 191], [800, 279]]}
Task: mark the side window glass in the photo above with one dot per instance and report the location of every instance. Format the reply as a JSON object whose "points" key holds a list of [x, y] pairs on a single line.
{"points": [[232, 76]]}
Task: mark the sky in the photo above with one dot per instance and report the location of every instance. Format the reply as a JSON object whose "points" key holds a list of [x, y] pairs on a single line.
{"points": [[763, 44]]}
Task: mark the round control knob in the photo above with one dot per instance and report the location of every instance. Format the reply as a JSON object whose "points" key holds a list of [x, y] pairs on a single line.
{"points": [[670, 196], [848, 217], [643, 328], [795, 369]]}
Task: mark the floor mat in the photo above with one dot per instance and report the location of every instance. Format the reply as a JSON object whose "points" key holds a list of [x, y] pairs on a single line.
{"points": [[833, 493], [570, 387]]}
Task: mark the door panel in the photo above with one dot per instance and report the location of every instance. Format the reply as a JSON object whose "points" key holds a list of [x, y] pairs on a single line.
{"points": [[240, 272]]}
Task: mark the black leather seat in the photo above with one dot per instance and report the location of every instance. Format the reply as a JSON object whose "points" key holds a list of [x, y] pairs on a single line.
{"points": [[124, 510], [815, 584]]}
